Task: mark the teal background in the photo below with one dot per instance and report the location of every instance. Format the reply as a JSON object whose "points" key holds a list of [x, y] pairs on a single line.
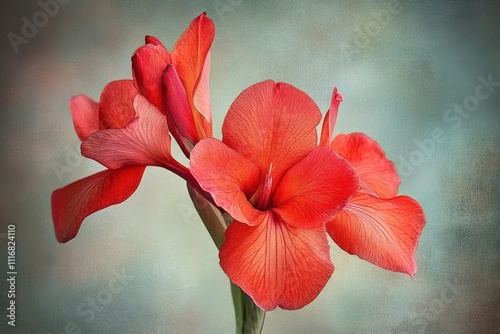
{"points": [[398, 84]]}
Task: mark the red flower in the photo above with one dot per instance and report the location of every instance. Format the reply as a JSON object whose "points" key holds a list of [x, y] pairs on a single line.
{"points": [[177, 83], [376, 224], [125, 133], [280, 188]]}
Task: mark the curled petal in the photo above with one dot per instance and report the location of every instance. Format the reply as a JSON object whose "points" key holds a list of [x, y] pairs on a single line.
{"points": [[272, 123], [144, 141], [228, 176], [275, 264], [177, 107], [384, 232], [313, 191], [377, 174], [331, 119], [148, 64], [85, 114], [116, 105], [73, 203]]}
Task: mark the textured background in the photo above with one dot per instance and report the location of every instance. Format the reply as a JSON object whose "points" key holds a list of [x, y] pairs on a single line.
{"points": [[398, 83]]}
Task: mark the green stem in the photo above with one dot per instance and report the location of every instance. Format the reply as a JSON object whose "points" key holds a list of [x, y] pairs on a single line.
{"points": [[249, 317]]}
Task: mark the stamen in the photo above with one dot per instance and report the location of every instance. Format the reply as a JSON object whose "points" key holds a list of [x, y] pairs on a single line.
{"points": [[263, 203]]}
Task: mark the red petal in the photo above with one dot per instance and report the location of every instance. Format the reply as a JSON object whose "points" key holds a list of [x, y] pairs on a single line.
{"points": [[228, 176], [116, 105], [191, 50], [148, 64], [73, 203], [144, 141], [272, 123], [330, 119], [177, 107], [275, 264], [85, 114], [375, 171], [313, 191], [384, 232]]}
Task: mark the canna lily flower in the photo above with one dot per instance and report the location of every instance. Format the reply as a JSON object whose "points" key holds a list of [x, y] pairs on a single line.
{"points": [[375, 224], [281, 189], [125, 133], [177, 83]]}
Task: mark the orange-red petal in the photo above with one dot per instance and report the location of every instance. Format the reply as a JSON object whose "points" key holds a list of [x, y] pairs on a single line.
{"points": [[384, 232], [73, 203], [330, 119], [190, 51], [85, 114], [313, 191], [376, 173], [116, 105], [228, 176], [276, 264], [272, 123], [144, 141]]}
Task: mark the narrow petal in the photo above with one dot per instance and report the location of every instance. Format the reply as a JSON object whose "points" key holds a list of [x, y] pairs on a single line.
{"points": [[331, 118], [144, 141], [375, 171], [384, 232], [116, 105], [85, 114], [148, 64], [275, 264], [313, 191], [73, 203], [191, 50], [202, 100], [228, 176], [177, 107], [272, 123]]}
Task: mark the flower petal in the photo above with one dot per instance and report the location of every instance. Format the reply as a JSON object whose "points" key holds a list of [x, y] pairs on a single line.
{"points": [[116, 105], [384, 232], [191, 50], [228, 176], [189, 57], [202, 100], [275, 264], [148, 64], [144, 141], [313, 191], [73, 203], [85, 114], [177, 108], [330, 118], [272, 123], [375, 171]]}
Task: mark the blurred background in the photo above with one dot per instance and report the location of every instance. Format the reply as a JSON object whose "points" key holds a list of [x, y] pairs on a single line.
{"points": [[409, 72]]}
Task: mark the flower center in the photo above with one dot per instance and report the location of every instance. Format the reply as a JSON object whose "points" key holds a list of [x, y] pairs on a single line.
{"points": [[263, 203]]}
